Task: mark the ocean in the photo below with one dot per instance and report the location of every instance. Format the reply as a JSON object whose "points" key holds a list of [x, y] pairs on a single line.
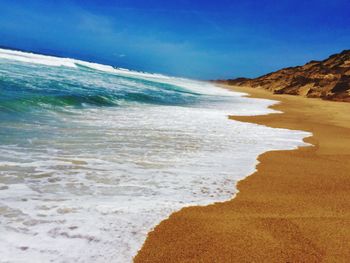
{"points": [[93, 157]]}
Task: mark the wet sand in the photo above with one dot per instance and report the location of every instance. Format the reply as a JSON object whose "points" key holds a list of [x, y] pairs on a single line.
{"points": [[295, 208]]}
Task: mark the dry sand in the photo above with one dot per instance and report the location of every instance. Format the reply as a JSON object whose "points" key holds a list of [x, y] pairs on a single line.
{"points": [[295, 208]]}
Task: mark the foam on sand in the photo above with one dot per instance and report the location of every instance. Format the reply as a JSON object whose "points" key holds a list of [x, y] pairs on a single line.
{"points": [[86, 182]]}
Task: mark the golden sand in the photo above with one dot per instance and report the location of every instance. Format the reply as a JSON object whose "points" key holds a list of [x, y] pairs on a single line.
{"points": [[295, 208]]}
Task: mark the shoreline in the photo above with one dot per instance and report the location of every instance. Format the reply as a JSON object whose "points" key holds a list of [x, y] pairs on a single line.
{"points": [[295, 207]]}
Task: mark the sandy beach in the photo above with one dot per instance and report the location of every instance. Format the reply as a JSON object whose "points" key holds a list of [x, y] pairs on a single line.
{"points": [[295, 208]]}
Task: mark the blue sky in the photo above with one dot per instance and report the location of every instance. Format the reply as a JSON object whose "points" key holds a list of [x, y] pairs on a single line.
{"points": [[192, 38]]}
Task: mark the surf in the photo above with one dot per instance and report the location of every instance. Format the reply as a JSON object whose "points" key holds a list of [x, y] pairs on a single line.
{"points": [[93, 157]]}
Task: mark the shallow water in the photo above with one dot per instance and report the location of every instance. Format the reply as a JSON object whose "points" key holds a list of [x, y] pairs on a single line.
{"points": [[92, 157]]}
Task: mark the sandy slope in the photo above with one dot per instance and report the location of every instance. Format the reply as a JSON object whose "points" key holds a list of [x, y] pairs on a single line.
{"points": [[295, 208], [328, 79]]}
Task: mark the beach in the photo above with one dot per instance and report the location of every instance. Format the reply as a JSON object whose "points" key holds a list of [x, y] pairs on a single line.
{"points": [[174, 131], [92, 158], [294, 208]]}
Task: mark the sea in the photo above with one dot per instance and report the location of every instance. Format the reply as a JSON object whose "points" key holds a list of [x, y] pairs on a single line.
{"points": [[93, 157]]}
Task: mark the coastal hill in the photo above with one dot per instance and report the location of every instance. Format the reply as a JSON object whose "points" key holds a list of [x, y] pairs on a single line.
{"points": [[328, 79]]}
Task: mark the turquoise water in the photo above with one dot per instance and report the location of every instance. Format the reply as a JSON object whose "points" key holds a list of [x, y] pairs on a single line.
{"points": [[92, 157], [30, 91], [31, 88], [34, 94]]}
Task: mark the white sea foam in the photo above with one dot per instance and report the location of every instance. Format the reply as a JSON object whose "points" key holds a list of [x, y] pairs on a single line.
{"points": [[204, 88], [35, 58], [90, 191], [69, 62]]}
